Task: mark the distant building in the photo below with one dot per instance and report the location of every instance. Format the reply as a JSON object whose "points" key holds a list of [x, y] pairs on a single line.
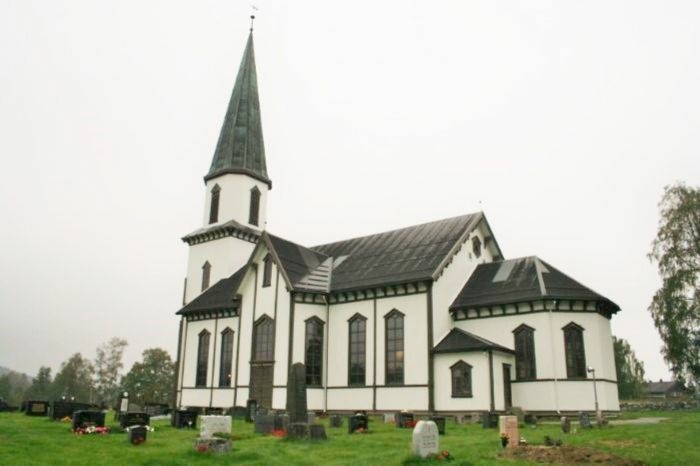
{"points": [[663, 389], [429, 318]]}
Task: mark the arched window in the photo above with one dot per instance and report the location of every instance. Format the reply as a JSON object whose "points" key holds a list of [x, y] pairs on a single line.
{"points": [[574, 350], [394, 348], [254, 206], [214, 204], [357, 349], [263, 340], [202, 359], [226, 358], [525, 367], [267, 271], [313, 350], [206, 273], [461, 380]]}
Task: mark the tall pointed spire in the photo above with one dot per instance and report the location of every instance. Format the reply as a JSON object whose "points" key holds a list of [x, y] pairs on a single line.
{"points": [[240, 148]]}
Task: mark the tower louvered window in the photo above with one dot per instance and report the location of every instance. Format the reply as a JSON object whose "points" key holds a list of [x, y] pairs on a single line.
{"points": [[206, 274], [214, 204], [202, 359], [575, 351], [267, 271], [254, 206]]}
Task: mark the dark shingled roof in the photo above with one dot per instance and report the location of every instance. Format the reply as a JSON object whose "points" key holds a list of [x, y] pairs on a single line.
{"points": [[460, 341], [399, 256], [241, 148], [297, 261], [522, 280], [217, 297]]}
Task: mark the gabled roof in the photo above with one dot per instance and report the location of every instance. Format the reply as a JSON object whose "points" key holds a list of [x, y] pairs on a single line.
{"points": [[460, 341], [299, 263], [240, 148], [218, 297], [522, 280], [400, 256]]}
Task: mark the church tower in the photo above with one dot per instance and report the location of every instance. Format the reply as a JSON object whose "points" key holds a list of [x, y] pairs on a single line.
{"points": [[237, 186]]}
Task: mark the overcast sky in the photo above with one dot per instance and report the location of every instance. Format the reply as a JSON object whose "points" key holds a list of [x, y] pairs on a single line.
{"points": [[561, 120]]}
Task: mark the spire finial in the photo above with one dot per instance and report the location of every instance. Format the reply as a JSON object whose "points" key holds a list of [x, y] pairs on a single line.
{"points": [[253, 9]]}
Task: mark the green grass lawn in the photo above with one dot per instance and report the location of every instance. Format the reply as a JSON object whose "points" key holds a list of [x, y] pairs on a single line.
{"points": [[26, 440]]}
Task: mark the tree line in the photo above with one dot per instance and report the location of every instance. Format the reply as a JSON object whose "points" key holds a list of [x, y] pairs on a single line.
{"points": [[99, 381]]}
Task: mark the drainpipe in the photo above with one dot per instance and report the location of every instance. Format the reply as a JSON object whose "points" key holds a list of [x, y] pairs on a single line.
{"points": [[325, 370], [493, 403]]}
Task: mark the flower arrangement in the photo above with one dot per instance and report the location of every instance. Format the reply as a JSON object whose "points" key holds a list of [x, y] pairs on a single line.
{"points": [[281, 433], [444, 456], [91, 430], [504, 439], [148, 428], [66, 419], [411, 424]]}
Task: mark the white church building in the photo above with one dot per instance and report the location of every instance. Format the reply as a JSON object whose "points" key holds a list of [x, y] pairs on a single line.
{"points": [[429, 318]]}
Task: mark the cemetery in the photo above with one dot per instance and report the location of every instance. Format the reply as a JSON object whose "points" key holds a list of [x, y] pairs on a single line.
{"points": [[298, 436]]}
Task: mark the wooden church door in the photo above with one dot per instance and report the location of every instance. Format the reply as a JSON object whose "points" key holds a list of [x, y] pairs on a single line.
{"points": [[262, 364]]}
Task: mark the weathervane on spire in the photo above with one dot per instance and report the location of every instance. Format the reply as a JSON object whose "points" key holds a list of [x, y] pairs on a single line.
{"points": [[253, 9]]}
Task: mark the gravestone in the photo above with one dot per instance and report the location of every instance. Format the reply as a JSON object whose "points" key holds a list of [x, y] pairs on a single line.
{"points": [[404, 420], [36, 408], [584, 420], [124, 403], [134, 419], [336, 421], [476, 418], [298, 430], [63, 408], [440, 423], [296, 394], [264, 424], [317, 432], [356, 422], [518, 411], [389, 418], [251, 409], [426, 439], [508, 425], [565, 424], [311, 417], [88, 419], [183, 418], [137, 434], [489, 420], [210, 425]]}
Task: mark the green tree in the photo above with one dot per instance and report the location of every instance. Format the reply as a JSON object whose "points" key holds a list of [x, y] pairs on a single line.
{"points": [[12, 387], [151, 380], [40, 389], [74, 380], [108, 364], [630, 371], [676, 305]]}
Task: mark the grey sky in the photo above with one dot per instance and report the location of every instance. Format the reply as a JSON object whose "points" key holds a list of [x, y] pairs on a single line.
{"points": [[562, 120]]}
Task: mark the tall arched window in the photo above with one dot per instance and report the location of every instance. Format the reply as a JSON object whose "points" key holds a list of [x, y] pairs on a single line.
{"points": [[313, 351], [357, 349], [226, 358], [202, 359], [254, 206], [263, 340], [394, 357], [267, 271], [206, 274], [575, 352], [461, 380], [214, 204], [525, 367]]}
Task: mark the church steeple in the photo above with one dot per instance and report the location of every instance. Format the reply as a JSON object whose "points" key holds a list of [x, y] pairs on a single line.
{"points": [[241, 148]]}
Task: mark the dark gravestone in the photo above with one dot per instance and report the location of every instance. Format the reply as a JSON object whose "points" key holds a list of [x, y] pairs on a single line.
{"points": [[264, 424], [155, 409], [317, 432], [184, 419], [137, 434], [88, 419], [489, 420], [62, 409], [565, 424], [37, 408], [584, 421], [357, 422], [4, 407], [298, 430], [134, 419], [404, 420], [440, 423], [296, 394], [251, 409], [336, 421]]}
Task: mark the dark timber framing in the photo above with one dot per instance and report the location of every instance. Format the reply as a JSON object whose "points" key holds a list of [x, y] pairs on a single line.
{"points": [[431, 381]]}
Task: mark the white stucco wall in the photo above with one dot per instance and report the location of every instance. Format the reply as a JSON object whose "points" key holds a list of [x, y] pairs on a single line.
{"points": [[564, 395], [234, 200], [348, 399], [400, 398]]}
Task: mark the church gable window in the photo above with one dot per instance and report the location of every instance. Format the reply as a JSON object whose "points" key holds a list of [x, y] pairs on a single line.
{"points": [[461, 380], [254, 206], [226, 358], [214, 204], [202, 359], [575, 351], [206, 274], [357, 349], [267, 271], [313, 345], [263, 340], [525, 367], [394, 357], [476, 246]]}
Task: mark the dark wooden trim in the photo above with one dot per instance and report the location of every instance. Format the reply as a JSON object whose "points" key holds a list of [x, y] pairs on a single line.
{"points": [[418, 385], [238, 353], [238, 171], [213, 362], [431, 365], [291, 332], [274, 315], [491, 389], [184, 292], [374, 351], [456, 312], [178, 366], [578, 379]]}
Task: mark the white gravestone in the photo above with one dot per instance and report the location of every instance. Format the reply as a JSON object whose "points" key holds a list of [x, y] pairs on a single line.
{"points": [[210, 425], [426, 439], [389, 418]]}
